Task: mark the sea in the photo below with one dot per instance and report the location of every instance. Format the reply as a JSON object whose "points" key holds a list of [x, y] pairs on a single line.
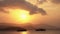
{"points": [[31, 32]]}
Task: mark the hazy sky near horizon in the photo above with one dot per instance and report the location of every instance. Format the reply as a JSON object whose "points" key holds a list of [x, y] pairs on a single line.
{"points": [[52, 18]]}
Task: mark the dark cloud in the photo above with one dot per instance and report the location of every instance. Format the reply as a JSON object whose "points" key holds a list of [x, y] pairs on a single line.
{"points": [[21, 4], [55, 1], [42, 11]]}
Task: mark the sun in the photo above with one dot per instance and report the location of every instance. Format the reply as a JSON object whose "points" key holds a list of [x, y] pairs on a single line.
{"points": [[23, 16], [20, 15]]}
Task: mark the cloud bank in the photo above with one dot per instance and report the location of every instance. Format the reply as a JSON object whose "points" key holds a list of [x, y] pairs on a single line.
{"points": [[20, 4], [55, 1]]}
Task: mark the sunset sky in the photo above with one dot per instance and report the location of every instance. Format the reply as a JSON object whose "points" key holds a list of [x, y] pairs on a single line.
{"points": [[52, 8]]}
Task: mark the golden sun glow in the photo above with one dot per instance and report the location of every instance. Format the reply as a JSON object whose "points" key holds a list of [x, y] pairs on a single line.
{"points": [[20, 15], [24, 32]]}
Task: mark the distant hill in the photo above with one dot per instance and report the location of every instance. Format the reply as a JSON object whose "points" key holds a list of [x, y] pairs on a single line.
{"points": [[8, 26], [45, 26], [11, 28]]}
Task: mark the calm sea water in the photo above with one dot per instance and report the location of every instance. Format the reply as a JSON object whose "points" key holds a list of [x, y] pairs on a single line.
{"points": [[30, 32]]}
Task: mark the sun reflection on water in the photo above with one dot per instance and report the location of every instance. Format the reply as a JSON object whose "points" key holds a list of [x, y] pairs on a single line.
{"points": [[24, 32]]}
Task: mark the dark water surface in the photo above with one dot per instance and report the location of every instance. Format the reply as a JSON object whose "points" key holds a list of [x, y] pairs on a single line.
{"points": [[30, 32]]}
